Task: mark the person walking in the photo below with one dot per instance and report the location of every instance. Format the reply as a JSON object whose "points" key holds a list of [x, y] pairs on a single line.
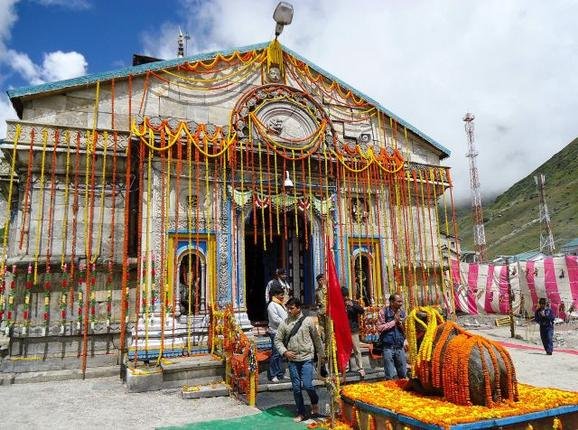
{"points": [[276, 314], [297, 340], [279, 279], [545, 318], [392, 336], [354, 311]]}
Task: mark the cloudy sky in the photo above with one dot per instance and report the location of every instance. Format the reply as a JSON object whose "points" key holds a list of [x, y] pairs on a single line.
{"points": [[513, 63]]}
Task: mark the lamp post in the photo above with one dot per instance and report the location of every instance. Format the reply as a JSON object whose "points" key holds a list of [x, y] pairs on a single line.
{"points": [[283, 16]]}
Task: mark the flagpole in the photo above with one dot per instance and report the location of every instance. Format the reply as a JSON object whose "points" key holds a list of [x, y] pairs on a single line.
{"points": [[339, 343], [331, 363]]}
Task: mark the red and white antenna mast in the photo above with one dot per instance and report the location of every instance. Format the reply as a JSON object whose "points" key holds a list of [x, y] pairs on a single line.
{"points": [[477, 212]]}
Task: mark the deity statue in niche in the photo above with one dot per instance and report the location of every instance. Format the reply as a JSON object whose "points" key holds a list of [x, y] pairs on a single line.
{"points": [[189, 284], [359, 210]]}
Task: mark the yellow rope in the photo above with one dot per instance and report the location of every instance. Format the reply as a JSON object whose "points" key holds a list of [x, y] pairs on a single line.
{"points": [[9, 201], [90, 148], [258, 58], [296, 209], [425, 228], [66, 199], [411, 242], [444, 179], [275, 55], [102, 195], [39, 219], [149, 257], [401, 248], [262, 205], [147, 136], [190, 228]]}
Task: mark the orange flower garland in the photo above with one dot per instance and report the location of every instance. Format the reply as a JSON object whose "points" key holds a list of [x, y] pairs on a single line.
{"points": [[393, 396], [444, 364]]}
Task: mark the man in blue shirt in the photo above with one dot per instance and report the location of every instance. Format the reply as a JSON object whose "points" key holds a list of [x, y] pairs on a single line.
{"points": [[545, 317], [390, 326]]}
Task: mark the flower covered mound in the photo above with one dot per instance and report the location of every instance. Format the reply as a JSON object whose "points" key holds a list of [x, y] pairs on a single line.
{"points": [[392, 395]]}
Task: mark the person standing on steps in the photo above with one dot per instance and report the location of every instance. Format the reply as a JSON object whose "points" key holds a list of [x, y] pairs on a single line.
{"points": [[279, 279], [354, 311], [392, 336], [297, 340], [321, 302], [276, 314]]}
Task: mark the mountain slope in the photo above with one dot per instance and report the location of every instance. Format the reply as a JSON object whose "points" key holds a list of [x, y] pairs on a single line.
{"points": [[512, 221]]}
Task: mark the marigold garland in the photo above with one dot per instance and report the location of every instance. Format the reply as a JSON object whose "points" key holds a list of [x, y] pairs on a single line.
{"points": [[446, 366], [393, 396]]}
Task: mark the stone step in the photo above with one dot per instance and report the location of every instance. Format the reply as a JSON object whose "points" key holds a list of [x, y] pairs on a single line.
{"points": [[38, 363], [176, 372], [58, 375]]}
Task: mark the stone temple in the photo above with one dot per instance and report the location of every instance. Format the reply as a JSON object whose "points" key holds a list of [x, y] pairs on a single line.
{"points": [[140, 200]]}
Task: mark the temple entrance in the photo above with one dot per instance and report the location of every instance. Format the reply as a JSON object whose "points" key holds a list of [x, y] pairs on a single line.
{"points": [[291, 252]]}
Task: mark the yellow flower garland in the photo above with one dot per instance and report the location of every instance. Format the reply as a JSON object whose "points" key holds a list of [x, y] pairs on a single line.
{"points": [[434, 410]]}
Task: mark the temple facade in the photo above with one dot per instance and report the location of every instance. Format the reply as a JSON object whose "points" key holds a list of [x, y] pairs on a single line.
{"points": [[140, 199]]}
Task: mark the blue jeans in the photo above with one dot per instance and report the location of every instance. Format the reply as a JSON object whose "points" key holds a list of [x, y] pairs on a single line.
{"points": [[301, 373], [547, 335], [394, 363], [275, 366]]}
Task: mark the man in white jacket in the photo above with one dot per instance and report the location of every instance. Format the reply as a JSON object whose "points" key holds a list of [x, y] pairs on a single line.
{"points": [[277, 314]]}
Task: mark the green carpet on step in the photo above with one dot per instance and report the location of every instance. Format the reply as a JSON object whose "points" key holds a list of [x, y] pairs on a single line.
{"points": [[278, 418]]}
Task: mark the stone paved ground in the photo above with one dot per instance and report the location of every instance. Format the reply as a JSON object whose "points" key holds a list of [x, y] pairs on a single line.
{"points": [[104, 403]]}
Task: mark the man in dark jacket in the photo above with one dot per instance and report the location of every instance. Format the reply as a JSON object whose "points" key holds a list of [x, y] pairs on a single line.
{"points": [[545, 317], [279, 280], [354, 311], [390, 325]]}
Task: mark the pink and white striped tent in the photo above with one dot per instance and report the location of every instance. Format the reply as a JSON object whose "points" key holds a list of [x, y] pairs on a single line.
{"points": [[480, 288]]}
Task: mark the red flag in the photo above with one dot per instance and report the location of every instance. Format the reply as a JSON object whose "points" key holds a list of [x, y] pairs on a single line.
{"points": [[336, 311]]}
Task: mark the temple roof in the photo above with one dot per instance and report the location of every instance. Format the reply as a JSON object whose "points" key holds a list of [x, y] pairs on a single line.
{"points": [[17, 94]]}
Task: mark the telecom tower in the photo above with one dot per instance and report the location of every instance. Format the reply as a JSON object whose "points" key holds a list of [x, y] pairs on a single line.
{"points": [[477, 213], [546, 236]]}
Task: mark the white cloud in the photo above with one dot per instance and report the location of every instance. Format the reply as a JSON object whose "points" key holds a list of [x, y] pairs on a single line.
{"points": [[23, 65], [7, 19], [513, 64], [56, 66], [6, 112], [63, 65]]}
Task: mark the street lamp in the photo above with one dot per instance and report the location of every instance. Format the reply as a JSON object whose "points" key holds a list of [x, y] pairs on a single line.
{"points": [[283, 16]]}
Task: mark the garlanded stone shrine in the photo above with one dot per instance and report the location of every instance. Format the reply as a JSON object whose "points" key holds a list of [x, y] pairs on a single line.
{"points": [[142, 199]]}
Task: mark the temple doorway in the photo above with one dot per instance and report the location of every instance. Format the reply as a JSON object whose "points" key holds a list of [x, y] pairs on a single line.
{"points": [[290, 249]]}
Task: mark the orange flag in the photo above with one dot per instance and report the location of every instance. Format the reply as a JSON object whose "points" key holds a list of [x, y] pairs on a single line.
{"points": [[336, 311]]}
